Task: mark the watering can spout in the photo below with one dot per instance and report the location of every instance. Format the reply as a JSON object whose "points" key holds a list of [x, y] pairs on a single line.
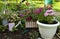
{"points": [[18, 23]]}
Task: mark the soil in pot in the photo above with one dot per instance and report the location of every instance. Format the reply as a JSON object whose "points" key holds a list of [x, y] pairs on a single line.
{"points": [[44, 22]]}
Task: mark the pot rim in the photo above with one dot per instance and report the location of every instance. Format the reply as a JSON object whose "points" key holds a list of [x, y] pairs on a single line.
{"points": [[48, 25]]}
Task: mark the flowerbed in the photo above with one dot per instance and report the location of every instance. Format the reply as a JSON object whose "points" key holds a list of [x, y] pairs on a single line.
{"points": [[26, 17]]}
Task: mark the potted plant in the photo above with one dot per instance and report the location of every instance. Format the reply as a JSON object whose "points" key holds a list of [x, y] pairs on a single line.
{"points": [[46, 23], [30, 19], [28, 16], [13, 19]]}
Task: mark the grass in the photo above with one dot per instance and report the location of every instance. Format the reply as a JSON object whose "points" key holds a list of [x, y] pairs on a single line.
{"points": [[56, 5], [1, 6]]}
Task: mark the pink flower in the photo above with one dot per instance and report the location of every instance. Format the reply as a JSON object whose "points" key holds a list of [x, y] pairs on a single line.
{"points": [[49, 12], [38, 11], [41, 9], [29, 18], [45, 14]]}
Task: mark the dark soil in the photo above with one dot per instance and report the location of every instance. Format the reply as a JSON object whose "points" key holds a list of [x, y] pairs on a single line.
{"points": [[20, 34], [54, 22]]}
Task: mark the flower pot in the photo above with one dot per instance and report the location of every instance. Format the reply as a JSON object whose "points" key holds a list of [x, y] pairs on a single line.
{"points": [[11, 25], [47, 31], [30, 24]]}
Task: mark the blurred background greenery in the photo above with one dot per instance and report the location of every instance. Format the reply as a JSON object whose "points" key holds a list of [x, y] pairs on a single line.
{"points": [[38, 3]]}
